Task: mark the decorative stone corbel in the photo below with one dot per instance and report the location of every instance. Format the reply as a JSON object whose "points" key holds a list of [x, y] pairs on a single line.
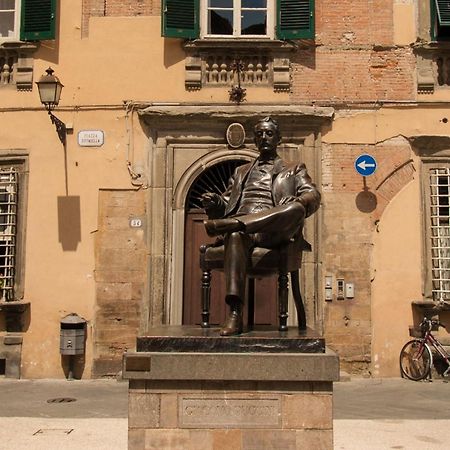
{"points": [[193, 81], [281, 75], [20, 72], [425, 75]]}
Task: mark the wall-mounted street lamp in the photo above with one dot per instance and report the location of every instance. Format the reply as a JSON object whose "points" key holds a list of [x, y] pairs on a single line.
{"points": [[50, 89]]}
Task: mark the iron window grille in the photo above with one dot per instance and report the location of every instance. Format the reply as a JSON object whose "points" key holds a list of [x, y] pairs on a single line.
{"points": [[440, 233], [9, 186]]}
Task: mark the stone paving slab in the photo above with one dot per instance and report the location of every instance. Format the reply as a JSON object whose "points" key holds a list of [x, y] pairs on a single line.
{"points": [[388, 434], [38, 433], [26, 433]]}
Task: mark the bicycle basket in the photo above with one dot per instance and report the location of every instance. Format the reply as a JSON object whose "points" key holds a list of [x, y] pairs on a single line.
{"points": [[415, 332]]}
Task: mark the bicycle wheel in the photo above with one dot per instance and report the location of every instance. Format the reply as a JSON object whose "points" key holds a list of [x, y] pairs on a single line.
{"points": [[415, 360]]}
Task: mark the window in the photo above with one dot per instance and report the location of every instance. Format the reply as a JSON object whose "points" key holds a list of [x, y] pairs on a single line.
{"points": [[440, 232], [291, 19], [236, 18], [28, 20], [440, 19], [8, 222], [8, 18], [12, 197]]}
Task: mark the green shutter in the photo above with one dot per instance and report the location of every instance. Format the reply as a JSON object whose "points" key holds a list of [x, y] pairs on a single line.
{"points": [[180, 18], [443, 12], [38, 19], [295, 19]]}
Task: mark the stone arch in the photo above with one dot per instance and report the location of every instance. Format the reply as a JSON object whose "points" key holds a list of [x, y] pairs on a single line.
{"points": [[202, 164]]}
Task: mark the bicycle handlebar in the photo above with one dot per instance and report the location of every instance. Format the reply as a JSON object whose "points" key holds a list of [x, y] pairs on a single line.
{"points": [[429, 323]]}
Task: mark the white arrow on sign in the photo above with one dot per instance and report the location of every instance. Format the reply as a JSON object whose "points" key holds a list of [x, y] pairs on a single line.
{"points": [[364, 165]]}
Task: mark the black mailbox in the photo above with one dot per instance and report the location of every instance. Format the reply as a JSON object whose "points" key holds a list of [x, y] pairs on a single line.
{"points": [[73, 335]]}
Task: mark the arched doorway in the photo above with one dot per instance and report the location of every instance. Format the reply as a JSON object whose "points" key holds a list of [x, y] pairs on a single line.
{"points": [[215, 179]]}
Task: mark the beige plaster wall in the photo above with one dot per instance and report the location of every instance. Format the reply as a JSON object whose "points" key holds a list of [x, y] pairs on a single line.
{"points": [[369, 127], [404, 21], [58, 282], [397, 277], [104, 69]]}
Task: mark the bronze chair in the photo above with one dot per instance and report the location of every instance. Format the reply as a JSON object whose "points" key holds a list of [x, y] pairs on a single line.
{"points": [[262, 262]]}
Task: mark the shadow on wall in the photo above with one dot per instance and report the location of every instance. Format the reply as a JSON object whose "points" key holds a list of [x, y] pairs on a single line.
{"points": [[366, 201], [73, 366], [49, 49], [69, 222], [173, 52]]}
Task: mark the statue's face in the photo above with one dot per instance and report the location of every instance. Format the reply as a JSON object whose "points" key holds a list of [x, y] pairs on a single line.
{"points": [[266, 137]]}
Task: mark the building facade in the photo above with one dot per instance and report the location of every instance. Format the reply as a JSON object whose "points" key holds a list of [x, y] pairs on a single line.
{"points": [[107, 225]]}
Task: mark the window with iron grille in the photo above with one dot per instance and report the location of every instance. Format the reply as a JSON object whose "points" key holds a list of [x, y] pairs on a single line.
{"points": [[13, 189], [9, 186], [440, 232]]}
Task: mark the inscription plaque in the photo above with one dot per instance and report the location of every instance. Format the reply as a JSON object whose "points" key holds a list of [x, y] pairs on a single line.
{"points": [[229, 413]]}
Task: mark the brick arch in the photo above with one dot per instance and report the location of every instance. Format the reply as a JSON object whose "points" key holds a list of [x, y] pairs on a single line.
{"points": [[392, 183]]}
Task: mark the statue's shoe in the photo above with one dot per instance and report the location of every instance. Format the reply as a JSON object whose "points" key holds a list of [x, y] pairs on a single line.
{"points": [[233, 325], [222, 226]]}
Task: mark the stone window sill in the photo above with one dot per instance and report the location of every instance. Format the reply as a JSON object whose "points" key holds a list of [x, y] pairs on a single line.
{"points": [[265, 62], [238, 44], [18, 45]]}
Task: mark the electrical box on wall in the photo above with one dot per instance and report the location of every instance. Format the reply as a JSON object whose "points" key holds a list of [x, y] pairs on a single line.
{"points": [[328, 288], [349, 290]]}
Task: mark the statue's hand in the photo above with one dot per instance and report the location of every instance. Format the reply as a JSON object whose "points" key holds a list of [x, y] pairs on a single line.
{"points": [[210, 200], [288, 199]]}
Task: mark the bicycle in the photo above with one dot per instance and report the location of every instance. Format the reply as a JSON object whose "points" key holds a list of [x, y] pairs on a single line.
{"points": [[416, 358]]}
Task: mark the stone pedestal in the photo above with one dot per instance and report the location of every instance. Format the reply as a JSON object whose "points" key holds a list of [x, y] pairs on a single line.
{"points": [[255, 397]]}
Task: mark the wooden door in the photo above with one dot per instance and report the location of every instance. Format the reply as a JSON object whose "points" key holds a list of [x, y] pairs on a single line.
{"points": [[265, 289], [215, 179]]}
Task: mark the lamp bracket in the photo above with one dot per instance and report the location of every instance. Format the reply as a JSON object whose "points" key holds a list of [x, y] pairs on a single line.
{"points": [[60, 127]]}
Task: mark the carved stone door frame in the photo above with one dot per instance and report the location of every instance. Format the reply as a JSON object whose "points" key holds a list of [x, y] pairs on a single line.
{"points": [[184, 141]]}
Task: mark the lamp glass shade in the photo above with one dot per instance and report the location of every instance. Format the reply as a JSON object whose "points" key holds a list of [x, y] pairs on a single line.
{"points": [[49, 88]]}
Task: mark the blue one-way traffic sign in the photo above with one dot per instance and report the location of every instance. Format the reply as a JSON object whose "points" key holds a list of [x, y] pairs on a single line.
{"points": [[365, 165]]}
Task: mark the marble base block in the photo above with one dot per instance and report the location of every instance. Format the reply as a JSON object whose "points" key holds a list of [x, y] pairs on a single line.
{"points": [[230, 400]]}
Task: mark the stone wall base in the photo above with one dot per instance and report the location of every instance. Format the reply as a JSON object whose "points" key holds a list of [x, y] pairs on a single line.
{"points": [[11, 355], [230, 415]]}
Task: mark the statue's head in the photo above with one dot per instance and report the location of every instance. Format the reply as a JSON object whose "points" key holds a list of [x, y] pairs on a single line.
{"points": [[267, 135]]}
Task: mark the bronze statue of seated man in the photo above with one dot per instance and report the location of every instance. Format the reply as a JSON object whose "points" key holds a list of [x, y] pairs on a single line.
{"points": [[264, 205]]}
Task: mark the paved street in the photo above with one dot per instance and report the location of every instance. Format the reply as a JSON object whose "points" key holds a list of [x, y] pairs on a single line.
{"points": [[369, 414], [391, 414], [96, 419]]}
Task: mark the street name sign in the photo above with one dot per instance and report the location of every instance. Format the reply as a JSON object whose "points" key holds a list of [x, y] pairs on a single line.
{"points": [[91, 138]]}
